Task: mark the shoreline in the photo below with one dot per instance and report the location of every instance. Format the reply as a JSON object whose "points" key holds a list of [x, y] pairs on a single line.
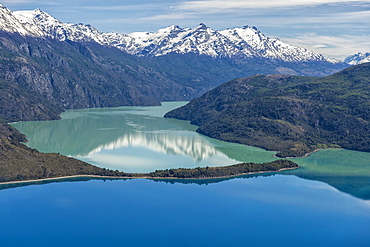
{"points": [[306, 155], [138, 177]]}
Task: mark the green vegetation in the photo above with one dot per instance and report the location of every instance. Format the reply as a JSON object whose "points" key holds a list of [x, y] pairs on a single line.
{"points": [[293, 115], [225, 171]]}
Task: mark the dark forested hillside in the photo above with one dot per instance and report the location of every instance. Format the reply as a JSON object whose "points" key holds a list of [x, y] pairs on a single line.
{"points": [[291, 114]]}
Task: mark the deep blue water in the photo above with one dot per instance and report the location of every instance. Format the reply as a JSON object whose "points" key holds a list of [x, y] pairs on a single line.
{"points": [[324, 203], [278, 210]]}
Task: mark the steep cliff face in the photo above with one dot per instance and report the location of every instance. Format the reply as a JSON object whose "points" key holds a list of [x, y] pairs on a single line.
{"points": [[52, 75]]}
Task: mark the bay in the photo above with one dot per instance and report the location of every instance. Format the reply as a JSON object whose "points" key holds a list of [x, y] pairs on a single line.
{"points": [[134, 139], [324, 203]]}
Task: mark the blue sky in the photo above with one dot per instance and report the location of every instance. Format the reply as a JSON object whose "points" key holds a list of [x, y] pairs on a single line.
{"points": [[335, 28]]}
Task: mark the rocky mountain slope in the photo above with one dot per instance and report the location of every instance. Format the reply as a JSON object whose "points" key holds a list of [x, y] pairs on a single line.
{"points": [[291, 114], [75, 75]]}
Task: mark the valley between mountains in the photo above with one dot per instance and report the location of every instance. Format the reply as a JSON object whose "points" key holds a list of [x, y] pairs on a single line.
{"points": [[287, 99]]}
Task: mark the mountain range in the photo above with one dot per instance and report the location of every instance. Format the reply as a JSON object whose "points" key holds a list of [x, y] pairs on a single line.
{"points": [[238, 43], [49, 66]]}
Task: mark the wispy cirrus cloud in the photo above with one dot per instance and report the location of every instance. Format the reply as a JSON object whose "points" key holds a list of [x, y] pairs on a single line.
{"points": [[221, 6], [35, 3], [5, 2], [171, 16], [124, 7], [324, 20], [332, 46]]}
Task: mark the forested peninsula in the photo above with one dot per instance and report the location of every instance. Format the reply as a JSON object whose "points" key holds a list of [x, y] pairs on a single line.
{"points": [[294, 115]]}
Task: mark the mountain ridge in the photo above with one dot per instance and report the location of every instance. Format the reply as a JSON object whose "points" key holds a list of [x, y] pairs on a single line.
{"points": [[245, 42]]}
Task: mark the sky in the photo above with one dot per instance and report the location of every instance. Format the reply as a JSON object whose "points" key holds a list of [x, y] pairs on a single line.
{"points": [[334, 28]]}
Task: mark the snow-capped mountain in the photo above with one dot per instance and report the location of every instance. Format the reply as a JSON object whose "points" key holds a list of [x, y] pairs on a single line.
{"points": [[10, 23], [232, 43], [358, 58], [54, 28], [245, 42]]}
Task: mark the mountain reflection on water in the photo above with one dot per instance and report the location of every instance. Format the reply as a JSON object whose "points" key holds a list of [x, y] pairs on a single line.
{"points": [[91, 133], [196, 147], [139, 139], [132, 141]]}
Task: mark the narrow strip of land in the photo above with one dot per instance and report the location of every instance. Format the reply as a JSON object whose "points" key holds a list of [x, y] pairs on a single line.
{"points": [[184, 173]]}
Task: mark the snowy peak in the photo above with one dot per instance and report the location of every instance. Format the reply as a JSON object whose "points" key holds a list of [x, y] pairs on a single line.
{"points": [[37, 19], [254, 43], [56, 29], [358, 58], [200, 40], [238, 43], [36, 16], [10, 23]]}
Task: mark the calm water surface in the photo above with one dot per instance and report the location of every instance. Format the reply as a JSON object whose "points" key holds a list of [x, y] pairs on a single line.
{"points": [[134, 139], [324, 203]]}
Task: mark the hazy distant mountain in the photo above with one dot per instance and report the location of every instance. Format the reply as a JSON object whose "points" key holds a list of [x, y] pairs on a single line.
{"points": [[290, 114], [358, 58]]}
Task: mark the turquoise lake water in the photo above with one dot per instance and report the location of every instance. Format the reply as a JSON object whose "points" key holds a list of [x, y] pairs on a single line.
{"points": [[324, 203]]}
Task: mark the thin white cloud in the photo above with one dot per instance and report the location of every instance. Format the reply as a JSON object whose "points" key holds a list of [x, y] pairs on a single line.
{"points": [[171, 16], [332, 46], [222, 6], [327, 20], [5, 2], [348, 17], [149, 6]]}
